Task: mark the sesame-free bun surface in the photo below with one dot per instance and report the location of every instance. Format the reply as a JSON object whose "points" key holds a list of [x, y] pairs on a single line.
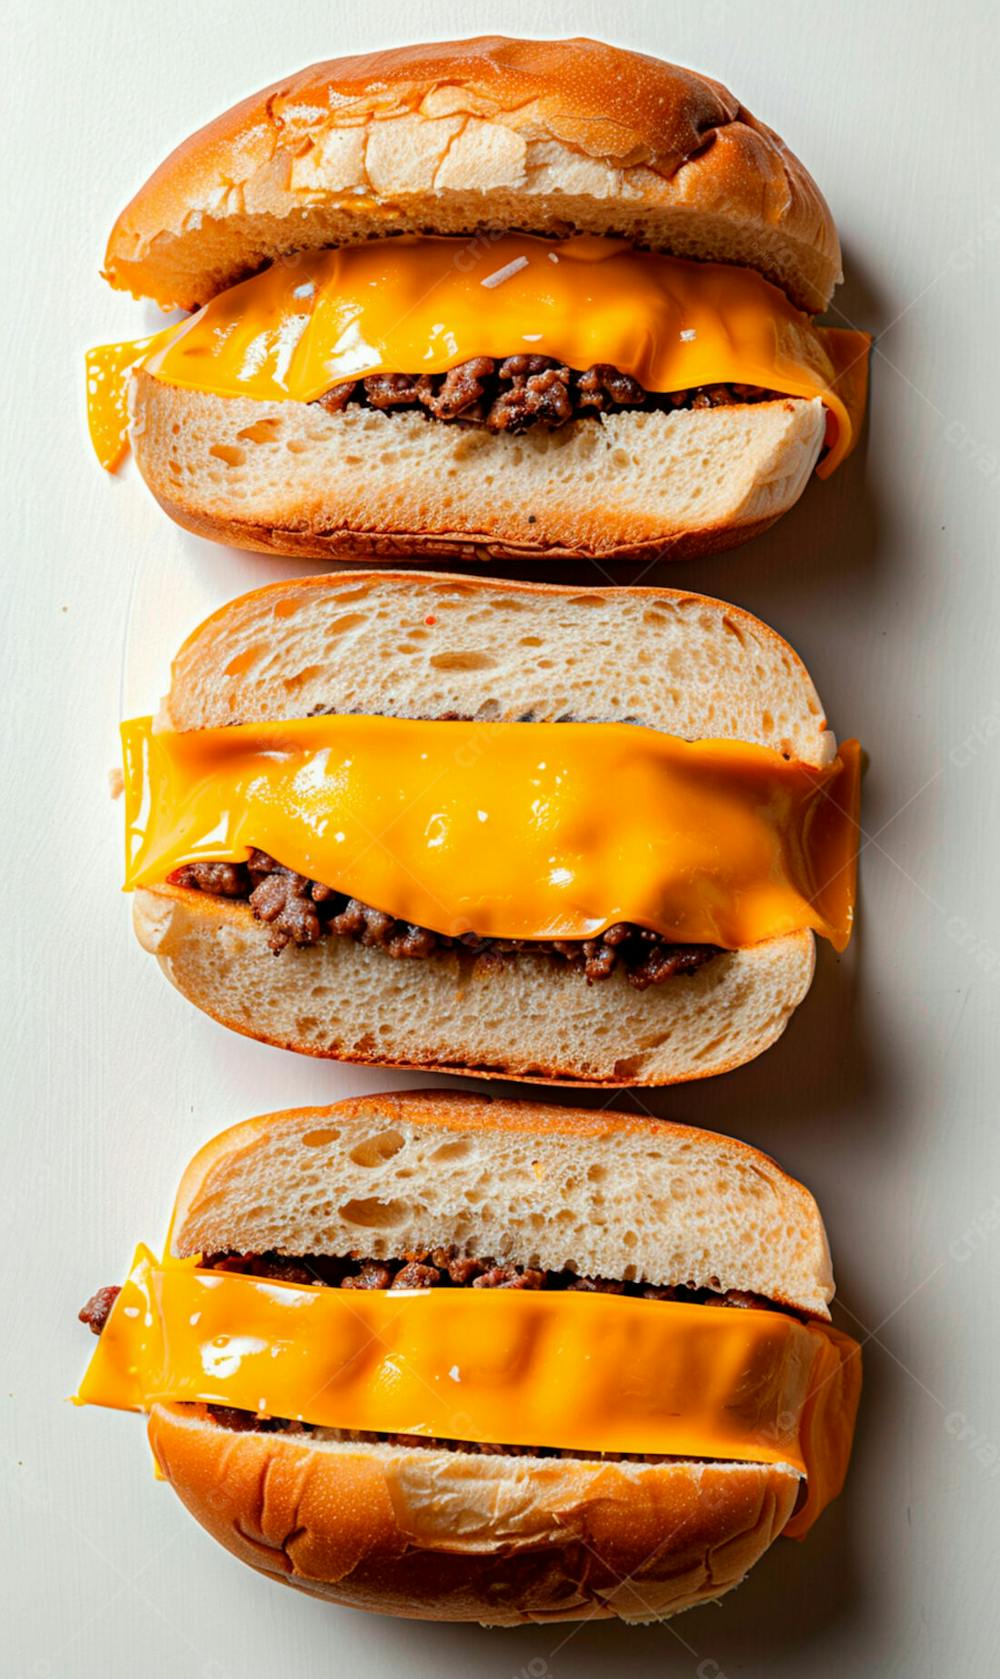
{"points": [[456, 1535], [553, 137], [427, 646]]}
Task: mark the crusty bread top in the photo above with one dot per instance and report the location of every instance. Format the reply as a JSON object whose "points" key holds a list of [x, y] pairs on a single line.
{"points": [[602, 1194], [455, 136], [418, 644]]}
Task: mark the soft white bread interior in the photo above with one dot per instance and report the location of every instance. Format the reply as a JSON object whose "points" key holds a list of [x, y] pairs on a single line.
{"points": [[530, 1018], [455, 1535], [552, 137], [290, 477], [597, 1193], [430, 646], [408, 644]]}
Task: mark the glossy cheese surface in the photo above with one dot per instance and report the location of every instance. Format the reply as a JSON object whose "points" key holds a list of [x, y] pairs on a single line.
{"points": [[584, 1372], [423, 305], [510, 830]]}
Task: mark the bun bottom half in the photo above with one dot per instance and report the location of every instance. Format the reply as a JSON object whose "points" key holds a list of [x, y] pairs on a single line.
{"points": [[459, 1536], [529, 1018], [288, 477]]}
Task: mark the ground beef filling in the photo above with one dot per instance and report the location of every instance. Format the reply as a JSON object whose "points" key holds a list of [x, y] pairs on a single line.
{"points": [[523, 391], [96, 1312], [428, 1268], [300, 911]]}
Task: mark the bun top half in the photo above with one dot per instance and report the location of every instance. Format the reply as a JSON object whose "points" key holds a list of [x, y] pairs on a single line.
{"points": [[452, 137], [598, 1193], [420, 644]]}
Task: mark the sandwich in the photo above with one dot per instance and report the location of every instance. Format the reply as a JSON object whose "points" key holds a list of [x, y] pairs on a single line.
{"points": [[433, 1356], [494, 828], [492, 299]]}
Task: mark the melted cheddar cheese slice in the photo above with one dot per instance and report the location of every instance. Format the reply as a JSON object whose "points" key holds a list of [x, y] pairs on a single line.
{"points": [[423, 305], [510, 830], [584, 1372]]}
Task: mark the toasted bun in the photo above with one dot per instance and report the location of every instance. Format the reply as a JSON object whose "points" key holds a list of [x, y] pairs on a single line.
{"points": [[597, 1193], [554, 137], [453, 1536], [690, 666], [457, 1535], [289, 477]]}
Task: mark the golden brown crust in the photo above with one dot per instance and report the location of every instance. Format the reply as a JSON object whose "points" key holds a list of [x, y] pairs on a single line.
{"points": [[476, 548], [454, 136], [461, 1537]]}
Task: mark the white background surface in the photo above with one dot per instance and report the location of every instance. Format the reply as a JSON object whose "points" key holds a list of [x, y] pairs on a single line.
{"points": [[883, 1095]]}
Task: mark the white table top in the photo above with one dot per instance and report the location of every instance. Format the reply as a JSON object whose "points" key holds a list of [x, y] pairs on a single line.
{"points": [[883, 1095]]}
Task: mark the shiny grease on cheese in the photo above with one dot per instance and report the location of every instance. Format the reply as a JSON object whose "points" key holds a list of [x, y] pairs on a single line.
{"points": [[424, 305], [510, 830]]}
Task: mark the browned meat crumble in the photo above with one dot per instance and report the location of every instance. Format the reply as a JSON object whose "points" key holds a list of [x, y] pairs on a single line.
{"points": [[525, 390], [301, 912], [96, 1312]]}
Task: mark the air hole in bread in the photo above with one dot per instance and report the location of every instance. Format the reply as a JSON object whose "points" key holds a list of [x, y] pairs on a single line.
{"points": [[340, 626], [457, 1150], [369, 1213], [317, 1139], [470, 660], [307, 674], [376, 1150], [262, 431], [229, 453], [244, 660], [708, 1050], [345, 596]]}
